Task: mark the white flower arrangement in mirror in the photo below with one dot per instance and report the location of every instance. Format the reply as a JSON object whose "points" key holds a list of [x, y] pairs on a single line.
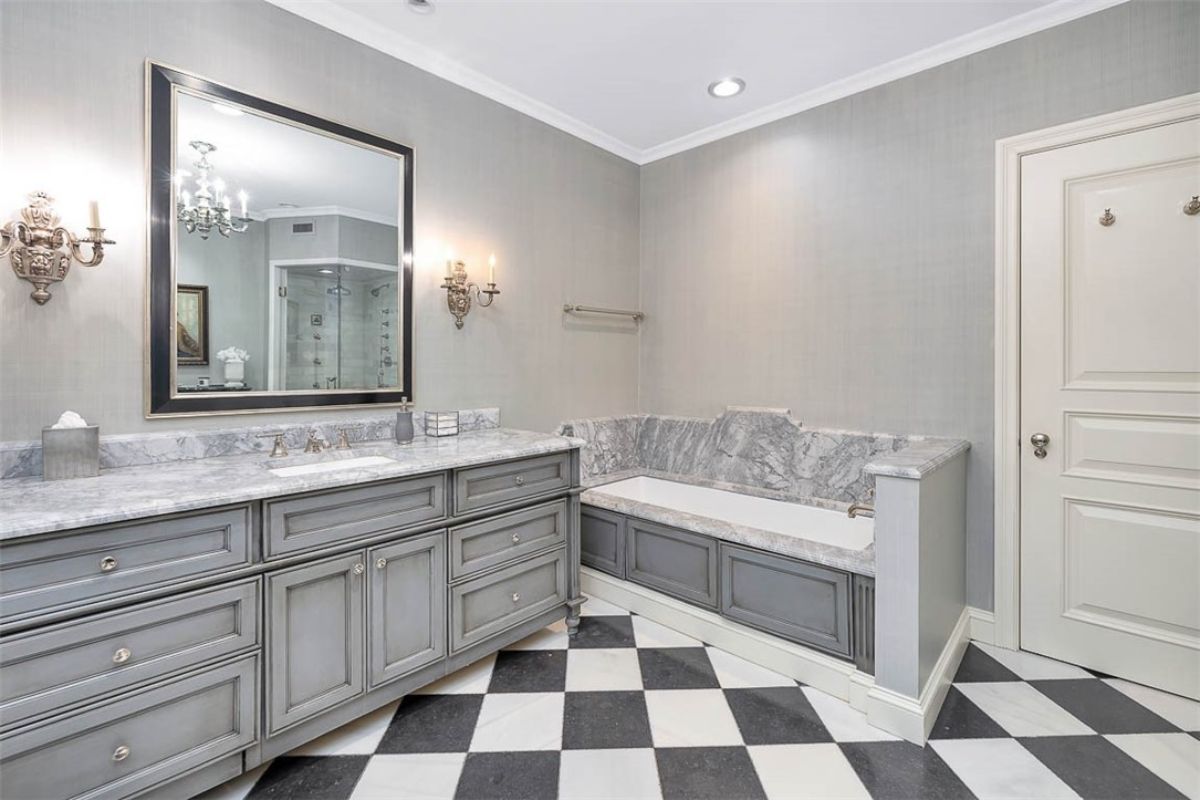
{"points": [[234, 359]]}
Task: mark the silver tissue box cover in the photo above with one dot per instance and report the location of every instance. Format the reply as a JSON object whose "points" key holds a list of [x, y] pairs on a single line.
{"points": [[441, 423], [70, 453]]}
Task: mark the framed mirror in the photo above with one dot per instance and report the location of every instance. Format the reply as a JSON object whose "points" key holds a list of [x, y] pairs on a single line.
{"points": [[280, 255]]}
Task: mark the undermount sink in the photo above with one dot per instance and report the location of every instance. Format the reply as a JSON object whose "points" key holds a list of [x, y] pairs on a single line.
{"points": [[332, 466]]}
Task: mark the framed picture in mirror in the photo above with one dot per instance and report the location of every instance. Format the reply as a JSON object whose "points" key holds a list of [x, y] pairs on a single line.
{"points": [[191, 325]]}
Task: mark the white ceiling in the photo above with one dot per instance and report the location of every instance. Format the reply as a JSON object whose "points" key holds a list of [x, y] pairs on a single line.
{"points": [[631, 76]]}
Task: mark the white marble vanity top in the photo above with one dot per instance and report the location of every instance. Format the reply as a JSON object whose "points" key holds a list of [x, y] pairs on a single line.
{"points": [[31, 506]]}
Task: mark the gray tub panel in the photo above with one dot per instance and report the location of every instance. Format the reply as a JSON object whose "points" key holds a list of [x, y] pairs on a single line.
{"points": [[602, 540], [674, 562]]}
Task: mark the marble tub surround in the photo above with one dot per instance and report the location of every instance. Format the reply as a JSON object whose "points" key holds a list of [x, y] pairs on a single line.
{"points": [[24, 459], [30, 506]]}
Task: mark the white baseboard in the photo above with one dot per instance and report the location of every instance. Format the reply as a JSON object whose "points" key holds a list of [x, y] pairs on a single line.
{"points": [[983, 625]]}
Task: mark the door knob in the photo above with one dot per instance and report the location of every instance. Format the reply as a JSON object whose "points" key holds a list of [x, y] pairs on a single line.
{"points": [[1039, 442]]}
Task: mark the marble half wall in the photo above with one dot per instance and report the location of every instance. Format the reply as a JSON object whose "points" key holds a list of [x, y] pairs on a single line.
{"points": [[763, 448]]}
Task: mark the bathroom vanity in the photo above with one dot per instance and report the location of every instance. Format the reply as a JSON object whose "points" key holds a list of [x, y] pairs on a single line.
{"points": [[165, 627]]}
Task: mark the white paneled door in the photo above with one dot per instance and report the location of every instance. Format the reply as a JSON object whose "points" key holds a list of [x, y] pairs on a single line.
{"points": [[1110, 390]]}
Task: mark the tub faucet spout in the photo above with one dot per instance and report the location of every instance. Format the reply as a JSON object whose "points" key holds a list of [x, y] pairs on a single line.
{"points": [[862, 509]]}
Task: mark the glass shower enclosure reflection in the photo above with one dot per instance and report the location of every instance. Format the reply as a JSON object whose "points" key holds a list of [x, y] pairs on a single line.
{"points": [[335, 326]]}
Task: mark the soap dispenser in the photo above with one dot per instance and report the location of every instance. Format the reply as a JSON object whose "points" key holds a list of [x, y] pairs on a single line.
{"points": [[404, 422]]}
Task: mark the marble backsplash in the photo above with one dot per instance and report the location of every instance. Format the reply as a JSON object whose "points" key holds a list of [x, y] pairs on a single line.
{"points": [[24, 459], [753, 447]]}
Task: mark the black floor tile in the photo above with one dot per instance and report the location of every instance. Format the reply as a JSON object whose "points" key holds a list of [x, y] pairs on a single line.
{"points": [[1102, 708], [529, 671], [699, 773], [1097, 769], [903, 771], [315, 777], [604, 632], [509, 776], [978, 667], [601, 720], [962, 719], [432, 723], [776, 715], [676, 668]]}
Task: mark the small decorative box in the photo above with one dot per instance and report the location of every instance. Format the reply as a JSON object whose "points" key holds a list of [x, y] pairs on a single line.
{"points": [[70, 453], [441, 423]]}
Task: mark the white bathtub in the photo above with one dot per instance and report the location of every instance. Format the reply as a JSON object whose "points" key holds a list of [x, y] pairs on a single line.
{"points": [[793, 520]]}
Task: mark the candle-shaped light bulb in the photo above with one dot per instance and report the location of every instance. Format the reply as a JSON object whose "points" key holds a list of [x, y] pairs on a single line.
{"points": [[492, 269], [218, 187], [187, 199], [94, 214], [243, 197], [449, 263]]}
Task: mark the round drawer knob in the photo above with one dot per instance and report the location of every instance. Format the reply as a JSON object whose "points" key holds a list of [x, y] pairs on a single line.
{"points": [[520, 480], [516, 537], [359, 569], [516, 597], [108, 564], [121, 753], [380, 563], [122, 655]]}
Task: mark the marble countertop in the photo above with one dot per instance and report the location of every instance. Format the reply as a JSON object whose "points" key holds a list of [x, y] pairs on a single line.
{"points": [[919, 459], [861, 561], [30, 506]]}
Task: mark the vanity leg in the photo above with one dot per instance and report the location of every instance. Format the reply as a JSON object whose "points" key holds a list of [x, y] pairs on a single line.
{"points": [[573, 616]]}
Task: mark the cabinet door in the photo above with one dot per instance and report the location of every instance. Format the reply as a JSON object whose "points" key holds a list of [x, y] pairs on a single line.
{"points": [[315, 638], [407, 619]]}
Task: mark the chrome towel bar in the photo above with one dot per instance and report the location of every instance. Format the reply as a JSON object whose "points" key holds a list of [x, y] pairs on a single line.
{"points": [[571, 308]]}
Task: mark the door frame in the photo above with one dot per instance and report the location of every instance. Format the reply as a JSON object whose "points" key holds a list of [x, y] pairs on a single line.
{"points": [[1007, 340]]}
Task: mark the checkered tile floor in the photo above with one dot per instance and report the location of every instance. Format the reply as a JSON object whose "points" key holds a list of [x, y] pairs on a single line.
{"points": [[630, 709]]}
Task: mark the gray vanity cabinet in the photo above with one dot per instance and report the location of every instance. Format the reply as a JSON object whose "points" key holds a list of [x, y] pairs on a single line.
{"points": [[672, 561], [602, 540], [315, 654], [406, 627]]}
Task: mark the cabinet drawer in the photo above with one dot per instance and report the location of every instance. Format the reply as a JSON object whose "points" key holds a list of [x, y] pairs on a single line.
{"points": [[80, 661], [497, 602], [493, 484], [672, 561], [486, 544], [793, 599], [342, 515], [124, 747], [53, 571], [602, 540]]}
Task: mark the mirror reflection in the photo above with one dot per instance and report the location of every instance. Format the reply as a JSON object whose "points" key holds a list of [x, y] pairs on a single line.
{"points": [[287, 247]]}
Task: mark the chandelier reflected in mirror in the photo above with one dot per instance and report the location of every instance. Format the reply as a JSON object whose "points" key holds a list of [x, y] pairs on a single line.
{"points": [[209, 208]]}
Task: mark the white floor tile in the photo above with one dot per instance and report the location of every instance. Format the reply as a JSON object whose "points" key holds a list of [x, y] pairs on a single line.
{"points": [[410, 776], [1001, 769], [357, 738], [691, 718], [519, 722], [734, 672], [595, 607], [607, 774], [808, 771], [845, 724], [598, 670], [236, 789], [649, 633], [1174, 709], [552, 637], [1022, 710], [1031, 666], [1174, 757], [471, 679]]}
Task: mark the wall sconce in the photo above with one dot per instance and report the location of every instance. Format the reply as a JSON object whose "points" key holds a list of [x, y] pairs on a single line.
{"points": [[41, 250], [458, 289]]}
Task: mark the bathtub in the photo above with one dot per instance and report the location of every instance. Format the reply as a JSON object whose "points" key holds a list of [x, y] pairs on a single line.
{"points": [[791, 520]]}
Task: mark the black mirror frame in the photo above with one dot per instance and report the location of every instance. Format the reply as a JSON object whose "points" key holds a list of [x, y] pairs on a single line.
{"points": [[161, 398]]}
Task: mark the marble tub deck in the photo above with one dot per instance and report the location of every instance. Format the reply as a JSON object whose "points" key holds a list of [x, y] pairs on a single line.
{"points": [[30, 506], [861, 562]]}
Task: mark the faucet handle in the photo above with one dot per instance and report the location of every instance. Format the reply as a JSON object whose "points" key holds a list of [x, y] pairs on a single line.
{"points": [[343, 442], [315, 443], [279, 449]]}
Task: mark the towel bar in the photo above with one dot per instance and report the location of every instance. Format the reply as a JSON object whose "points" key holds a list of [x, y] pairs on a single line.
{"points": [[571, 308]]}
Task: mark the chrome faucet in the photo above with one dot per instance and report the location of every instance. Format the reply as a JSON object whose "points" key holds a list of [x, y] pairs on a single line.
{"points": [[315, 444], [862, 509], [279, 450]]}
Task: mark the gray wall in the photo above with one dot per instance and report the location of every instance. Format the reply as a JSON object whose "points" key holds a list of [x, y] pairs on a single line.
{"points": [[839, 262], [561, 215]]}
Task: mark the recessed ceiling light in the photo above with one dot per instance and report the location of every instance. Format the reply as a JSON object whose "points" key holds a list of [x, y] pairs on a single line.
{"points": [[726, 87], [229, 111], [421, 6]]}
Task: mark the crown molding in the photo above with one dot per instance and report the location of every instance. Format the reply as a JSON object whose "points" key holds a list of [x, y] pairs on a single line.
{"points": [[343, 20], [295, 212]]}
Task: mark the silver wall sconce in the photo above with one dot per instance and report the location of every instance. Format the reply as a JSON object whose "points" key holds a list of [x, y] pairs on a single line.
{"points": [[459, 289], [41, 250]]}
